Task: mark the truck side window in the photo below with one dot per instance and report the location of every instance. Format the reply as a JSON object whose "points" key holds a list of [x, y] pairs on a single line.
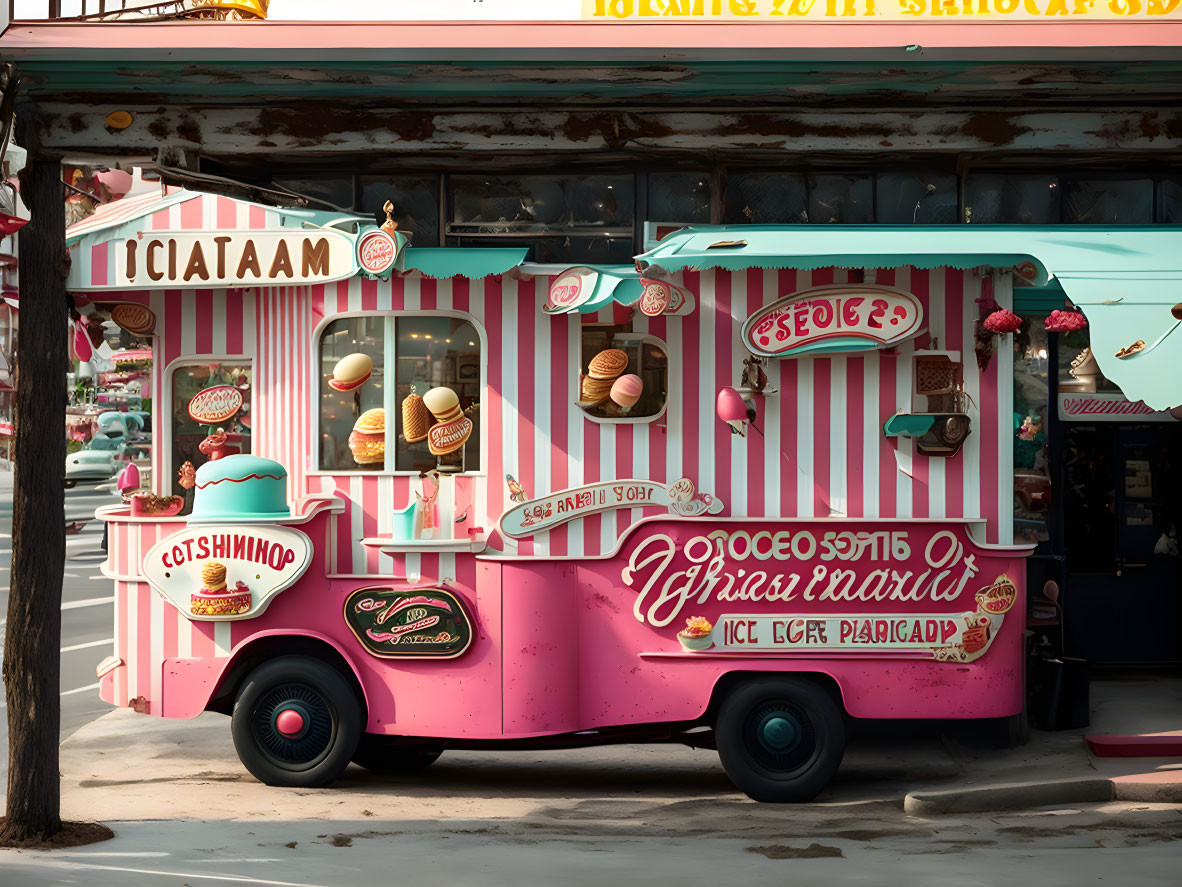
{"points": [[623, 375], [400, 393]]}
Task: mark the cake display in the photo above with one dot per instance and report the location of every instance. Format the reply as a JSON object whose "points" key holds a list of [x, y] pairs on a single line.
{"points": [[696, 634], [240, 488], [368, 440], [215, 598]]}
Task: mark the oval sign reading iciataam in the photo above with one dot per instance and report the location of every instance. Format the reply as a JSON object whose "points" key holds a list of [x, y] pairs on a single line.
{"points": [[216, 404], [849, 315]]}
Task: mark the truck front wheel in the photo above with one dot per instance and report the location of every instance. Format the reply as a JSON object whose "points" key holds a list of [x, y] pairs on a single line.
{"points": [[780, 739], [296, 722]]}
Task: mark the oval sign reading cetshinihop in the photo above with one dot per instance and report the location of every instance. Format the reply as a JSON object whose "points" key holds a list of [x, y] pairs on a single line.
{"points": [[409, 623], [216, 404], [830, 319]]}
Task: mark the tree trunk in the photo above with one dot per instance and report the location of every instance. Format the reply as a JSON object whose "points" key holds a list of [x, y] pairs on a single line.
{"points": [[32, 663]]}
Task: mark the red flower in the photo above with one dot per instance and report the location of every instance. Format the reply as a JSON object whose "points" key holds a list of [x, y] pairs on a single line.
{"points": [[1065, 321], [1003, 321]]}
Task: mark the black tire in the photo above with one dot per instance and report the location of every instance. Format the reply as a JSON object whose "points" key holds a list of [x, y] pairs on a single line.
{"points": [[70, 484], [382, 754], [780, 740], [333, 722]]}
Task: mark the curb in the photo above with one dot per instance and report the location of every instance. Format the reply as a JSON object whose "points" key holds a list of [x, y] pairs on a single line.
{"points": [[1014, 796]]}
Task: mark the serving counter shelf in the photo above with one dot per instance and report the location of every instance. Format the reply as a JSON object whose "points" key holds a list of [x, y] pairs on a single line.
{"points": [[392, 546]]}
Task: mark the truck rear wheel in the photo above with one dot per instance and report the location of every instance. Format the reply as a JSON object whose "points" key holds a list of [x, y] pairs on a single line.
{"points": [[296, 722], [382, 754], [780, 739]]}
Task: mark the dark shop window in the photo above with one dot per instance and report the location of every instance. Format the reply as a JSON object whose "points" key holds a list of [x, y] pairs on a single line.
{"points": [[992, 199], [416, 204], [679, 197], [1097, 201], [906, 198], [765, 198], [333, 190], [562, 219], [1170, 202], [841, 199]]}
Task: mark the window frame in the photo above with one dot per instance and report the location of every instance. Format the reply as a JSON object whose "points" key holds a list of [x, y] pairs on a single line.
{"points": [[389, 392], [643, 338], [162, 482]]}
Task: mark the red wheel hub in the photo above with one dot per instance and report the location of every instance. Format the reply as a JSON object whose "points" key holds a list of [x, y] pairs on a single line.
{"points": [[289, 722]]}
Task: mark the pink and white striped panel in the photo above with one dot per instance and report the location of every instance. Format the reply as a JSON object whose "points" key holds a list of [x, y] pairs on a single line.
{"points": [[823, 452]]}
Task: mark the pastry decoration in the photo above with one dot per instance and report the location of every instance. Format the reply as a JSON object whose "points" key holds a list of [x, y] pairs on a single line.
{"points": [[998, 597], [136, 319], [626, 390], [214, 598], [603, 370], [368, 440], [453, 428], [1084, 364], [1130, 350], [696, 634], [186, 476], [144, 502], [351, 372], [416, 418]]}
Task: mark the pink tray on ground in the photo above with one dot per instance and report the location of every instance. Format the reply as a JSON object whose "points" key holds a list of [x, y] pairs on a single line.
{"points": [[1135, 745]]}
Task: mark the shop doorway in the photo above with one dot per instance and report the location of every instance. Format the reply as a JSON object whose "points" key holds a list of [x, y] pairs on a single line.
{"points": [[1121, 518]]}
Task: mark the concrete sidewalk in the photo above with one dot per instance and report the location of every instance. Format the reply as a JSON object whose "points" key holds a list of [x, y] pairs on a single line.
{"points": [[126, 766]]}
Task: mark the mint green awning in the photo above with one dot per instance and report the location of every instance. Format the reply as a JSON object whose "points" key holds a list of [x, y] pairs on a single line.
{"points": [[1126, 279], [474, 263]]}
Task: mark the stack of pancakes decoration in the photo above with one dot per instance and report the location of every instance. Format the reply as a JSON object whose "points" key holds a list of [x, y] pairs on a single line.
{"points": [[602, 372], [453, 428]]}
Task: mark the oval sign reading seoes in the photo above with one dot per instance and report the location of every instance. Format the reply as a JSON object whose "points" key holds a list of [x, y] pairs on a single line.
{"points": [[833, 319]]}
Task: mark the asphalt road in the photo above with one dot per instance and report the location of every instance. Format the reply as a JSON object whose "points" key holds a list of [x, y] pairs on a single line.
{"points": [[87, 608]]}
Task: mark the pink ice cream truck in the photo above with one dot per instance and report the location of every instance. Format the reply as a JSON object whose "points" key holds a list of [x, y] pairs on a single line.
{"points": [[411, 499]]}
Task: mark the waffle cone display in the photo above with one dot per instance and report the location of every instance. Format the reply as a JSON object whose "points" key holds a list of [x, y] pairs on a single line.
{"points": [[416, 419]]}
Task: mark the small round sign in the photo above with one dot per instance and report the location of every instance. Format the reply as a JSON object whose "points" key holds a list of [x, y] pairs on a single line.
{"points": [[212, 406], [376, 251]]}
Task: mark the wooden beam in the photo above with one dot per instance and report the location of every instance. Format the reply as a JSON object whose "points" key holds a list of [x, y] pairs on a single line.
{"points": [[317, 129]]}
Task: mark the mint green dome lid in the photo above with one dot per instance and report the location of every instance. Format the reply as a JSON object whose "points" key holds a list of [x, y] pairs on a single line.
{"points": [[240, 488]]}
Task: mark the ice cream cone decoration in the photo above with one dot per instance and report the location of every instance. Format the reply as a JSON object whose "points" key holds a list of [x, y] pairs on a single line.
{"points": [[416, 418], [626, 390], [453, 428]]}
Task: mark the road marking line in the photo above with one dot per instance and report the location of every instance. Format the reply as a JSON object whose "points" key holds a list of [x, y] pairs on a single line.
{"points": [[65, 692], [89, 602], [195, 876], [87, 645], [79, 690]]}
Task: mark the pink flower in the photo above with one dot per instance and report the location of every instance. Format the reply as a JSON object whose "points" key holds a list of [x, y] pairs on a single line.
{"points": [[1003, 321], [1065, 321]]}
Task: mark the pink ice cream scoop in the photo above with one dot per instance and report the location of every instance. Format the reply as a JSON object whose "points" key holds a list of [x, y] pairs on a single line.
{"points": [[732, 409], [626, 390]]}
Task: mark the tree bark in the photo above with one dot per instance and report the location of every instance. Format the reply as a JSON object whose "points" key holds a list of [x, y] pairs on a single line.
{"points": [[32, 637]]}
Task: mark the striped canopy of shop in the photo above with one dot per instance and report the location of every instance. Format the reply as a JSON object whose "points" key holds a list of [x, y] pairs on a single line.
{"points": [[1127, 280]]}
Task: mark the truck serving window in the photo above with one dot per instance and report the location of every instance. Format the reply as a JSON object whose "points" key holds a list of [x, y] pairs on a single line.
{"points": [[623, 375], [400, 393]]}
